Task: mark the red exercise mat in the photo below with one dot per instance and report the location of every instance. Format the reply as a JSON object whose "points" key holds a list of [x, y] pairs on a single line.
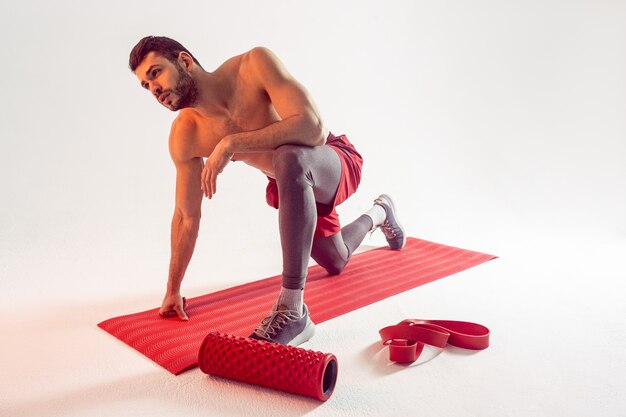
{"points": [[380, 273]]}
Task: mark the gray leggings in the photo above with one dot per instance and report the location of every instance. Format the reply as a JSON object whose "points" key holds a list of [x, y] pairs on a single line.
{"points": [[306, 176]]}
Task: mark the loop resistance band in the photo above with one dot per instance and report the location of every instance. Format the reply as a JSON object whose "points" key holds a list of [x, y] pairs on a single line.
{"points": [[406, 339]]}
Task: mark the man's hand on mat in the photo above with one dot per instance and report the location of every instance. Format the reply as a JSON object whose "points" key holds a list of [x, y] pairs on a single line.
{"points": [[214, 165], [174, 305]]}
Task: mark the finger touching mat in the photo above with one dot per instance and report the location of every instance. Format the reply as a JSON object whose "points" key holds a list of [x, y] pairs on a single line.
{"points": [[381, 273]]}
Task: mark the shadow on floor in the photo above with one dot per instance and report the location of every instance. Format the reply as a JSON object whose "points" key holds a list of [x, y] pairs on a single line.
{"points": [[192, 393]]}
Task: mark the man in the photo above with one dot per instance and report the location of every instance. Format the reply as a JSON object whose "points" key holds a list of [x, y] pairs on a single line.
{"points": [[251, 109]]}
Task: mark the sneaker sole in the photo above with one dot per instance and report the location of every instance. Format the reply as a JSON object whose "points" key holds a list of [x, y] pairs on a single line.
{"points": [[306, 334], [395, 211]]}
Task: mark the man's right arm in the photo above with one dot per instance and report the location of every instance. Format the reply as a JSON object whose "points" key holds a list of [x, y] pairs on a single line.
{"points": [[186, 218]]}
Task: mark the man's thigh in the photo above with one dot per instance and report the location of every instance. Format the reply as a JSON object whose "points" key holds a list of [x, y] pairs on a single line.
{"points": [[321, 166]]}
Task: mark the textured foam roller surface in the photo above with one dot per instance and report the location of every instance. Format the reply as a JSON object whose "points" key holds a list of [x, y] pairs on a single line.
{"points": [[284, 368], [381, 273]]}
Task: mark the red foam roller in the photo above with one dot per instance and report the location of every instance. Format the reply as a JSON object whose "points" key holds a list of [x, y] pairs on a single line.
{"points": [[284, 368]]}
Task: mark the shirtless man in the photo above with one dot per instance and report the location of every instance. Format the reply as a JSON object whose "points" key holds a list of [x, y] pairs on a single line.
{"points": [[251, 109]]}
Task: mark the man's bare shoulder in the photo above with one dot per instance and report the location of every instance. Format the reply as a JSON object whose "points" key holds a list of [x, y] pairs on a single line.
{"points": [[249, 62], [251, 65], [187, 119], [260, 53], [185, 125], [183, 134], [264, 66], [260, 58]]}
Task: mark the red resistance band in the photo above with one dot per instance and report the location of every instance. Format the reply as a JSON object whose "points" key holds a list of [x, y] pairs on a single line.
{"points": [[406, 339]]}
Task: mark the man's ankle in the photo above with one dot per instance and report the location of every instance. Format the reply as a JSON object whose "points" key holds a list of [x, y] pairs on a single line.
{"points": [[290, 299]]}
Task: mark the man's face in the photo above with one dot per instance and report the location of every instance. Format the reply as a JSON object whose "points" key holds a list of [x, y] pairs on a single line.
{"points": [[168, 81]]}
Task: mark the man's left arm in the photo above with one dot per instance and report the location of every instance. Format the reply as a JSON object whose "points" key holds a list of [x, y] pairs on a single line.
{"points": [[300, 122]]}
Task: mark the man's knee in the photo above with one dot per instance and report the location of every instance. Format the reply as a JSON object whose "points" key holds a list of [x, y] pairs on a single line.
{"points": [[290, 161], [335, 267]]}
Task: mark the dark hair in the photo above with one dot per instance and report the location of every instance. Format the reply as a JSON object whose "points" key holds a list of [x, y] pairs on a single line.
{"points": [[168, 48]]}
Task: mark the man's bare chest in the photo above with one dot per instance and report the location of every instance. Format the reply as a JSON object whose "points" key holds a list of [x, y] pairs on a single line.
{"points": [[244, 113]]}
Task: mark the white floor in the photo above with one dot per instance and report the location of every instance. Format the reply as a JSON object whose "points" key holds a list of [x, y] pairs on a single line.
{"points": [[553, 303], [497, 126]]}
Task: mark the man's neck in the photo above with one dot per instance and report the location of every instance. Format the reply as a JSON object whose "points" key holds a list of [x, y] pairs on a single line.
{"points": [[213, 93]]}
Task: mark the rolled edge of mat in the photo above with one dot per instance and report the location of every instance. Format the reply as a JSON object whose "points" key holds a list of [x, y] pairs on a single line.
{"points": [[284, 368]]}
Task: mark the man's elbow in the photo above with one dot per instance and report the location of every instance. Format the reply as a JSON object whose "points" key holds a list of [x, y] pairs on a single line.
{"points": [[315, 130], [188, 218]]}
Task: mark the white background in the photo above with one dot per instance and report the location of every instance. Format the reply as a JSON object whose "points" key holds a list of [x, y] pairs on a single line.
{"points": [[497, 126]]}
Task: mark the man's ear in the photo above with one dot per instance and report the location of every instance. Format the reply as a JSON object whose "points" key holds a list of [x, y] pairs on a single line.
{"points": [[185, 60]]}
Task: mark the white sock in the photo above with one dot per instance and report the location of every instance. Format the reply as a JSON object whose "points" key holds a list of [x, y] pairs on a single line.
{"points": [[377, 214], [292, 299]]}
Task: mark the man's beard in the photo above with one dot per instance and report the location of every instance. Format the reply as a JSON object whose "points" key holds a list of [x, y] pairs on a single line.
{"points": [[186, 89]]}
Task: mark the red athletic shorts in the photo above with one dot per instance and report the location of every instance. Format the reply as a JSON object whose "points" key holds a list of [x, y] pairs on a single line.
{"points": [[351, 164]]}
